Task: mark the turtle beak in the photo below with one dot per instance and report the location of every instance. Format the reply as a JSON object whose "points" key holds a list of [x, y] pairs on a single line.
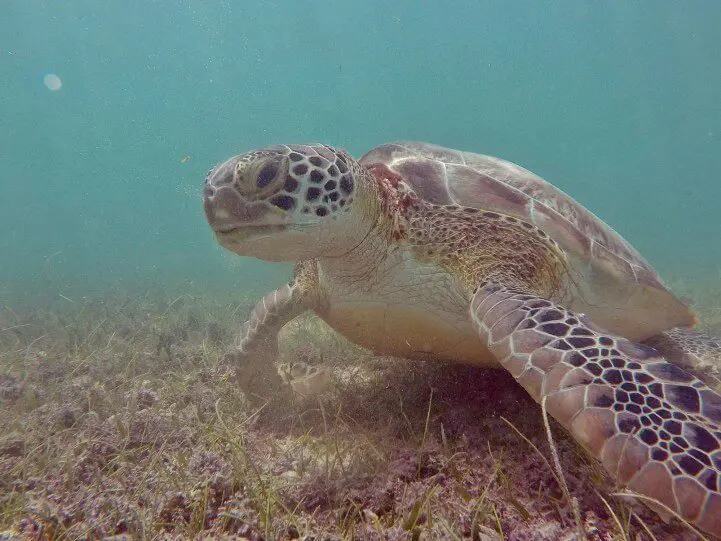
{"points": [[225, 208]]}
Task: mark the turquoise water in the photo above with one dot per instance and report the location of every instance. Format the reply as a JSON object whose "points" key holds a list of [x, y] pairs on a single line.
{"points": [[615, 102]]}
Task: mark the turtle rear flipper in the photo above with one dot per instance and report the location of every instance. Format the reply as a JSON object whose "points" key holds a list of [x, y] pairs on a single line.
{"points": [[655, 427], [694, 350]]}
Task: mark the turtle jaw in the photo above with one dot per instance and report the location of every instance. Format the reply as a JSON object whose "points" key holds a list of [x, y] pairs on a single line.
{"points": [[261, 242], [237, 236], [277, 243], [256, 228], [247, 228]]}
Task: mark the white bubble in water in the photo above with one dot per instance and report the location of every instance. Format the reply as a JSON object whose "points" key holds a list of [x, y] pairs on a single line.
{"points": [[53, 82]]}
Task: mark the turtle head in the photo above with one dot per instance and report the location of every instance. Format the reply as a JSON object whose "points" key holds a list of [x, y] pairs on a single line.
{"points": [[285, 203]]}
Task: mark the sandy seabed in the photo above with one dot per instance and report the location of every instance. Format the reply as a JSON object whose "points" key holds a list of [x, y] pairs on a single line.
{"points": [[115, 421]]}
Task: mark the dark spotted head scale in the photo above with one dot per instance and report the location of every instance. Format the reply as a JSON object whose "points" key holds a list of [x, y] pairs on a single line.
{"points": [[303, 182], [323, 179], [288, 202], [280, 188]]}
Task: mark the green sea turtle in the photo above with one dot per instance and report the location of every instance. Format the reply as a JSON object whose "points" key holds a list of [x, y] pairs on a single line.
{"points": [[420, 251]]}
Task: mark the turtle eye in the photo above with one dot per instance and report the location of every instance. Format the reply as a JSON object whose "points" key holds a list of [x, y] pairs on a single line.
{"points": [[266, 175], [261, 178]]}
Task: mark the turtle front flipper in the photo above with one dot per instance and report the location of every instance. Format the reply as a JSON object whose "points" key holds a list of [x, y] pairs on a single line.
{"points": [[252, 363], [655, 427]]}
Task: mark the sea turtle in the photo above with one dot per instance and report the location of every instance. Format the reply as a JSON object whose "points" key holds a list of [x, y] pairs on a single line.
{"points": [[420, 251]]}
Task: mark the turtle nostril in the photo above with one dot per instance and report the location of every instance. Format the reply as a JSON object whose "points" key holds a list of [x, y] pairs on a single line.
{"points": [[208, 191]]}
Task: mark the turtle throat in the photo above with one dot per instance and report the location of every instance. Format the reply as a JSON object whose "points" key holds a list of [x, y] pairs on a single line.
{"points": [[378, 224]]}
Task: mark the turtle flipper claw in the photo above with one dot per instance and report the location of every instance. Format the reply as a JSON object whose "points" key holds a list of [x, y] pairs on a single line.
{"points": [[253, 371], [305, 380]]}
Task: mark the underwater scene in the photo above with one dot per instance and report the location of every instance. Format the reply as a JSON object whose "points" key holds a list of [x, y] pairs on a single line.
{"points": [[332, 270]]}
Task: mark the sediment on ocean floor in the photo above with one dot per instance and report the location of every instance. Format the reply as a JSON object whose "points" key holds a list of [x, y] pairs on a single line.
{"points": [[115, 420]]}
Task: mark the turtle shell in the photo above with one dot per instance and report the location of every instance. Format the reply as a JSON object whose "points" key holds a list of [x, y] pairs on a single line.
{"points": [[613, 282]]}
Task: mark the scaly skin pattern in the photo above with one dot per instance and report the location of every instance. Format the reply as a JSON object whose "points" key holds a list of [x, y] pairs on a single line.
{"points": [[405, 289], [471, 243], [654, 427], [254, 359], [279, 307], [614, 284]]}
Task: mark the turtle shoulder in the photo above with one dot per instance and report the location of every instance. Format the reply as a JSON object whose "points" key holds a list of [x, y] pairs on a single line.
{"points": [[605, 262]]}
